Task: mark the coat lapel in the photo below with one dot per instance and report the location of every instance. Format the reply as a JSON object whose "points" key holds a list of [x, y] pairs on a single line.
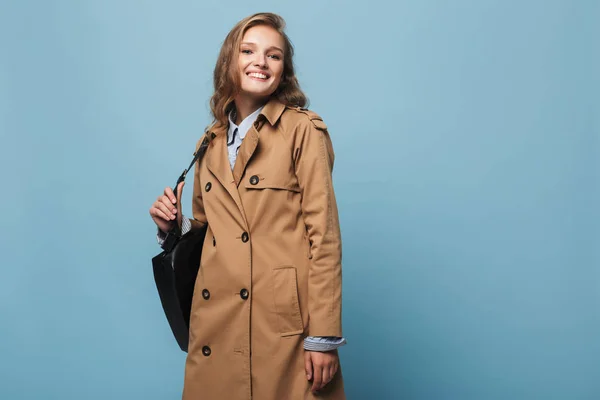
{"points": [[217, 159], [247, 149], [270, 113], [217, 162]]}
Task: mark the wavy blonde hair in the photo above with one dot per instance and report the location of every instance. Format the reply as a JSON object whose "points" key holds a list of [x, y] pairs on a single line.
{"points": [[226, 77]]}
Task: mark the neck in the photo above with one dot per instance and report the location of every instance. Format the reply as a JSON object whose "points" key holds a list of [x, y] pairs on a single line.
{"points": [[245, 106]]}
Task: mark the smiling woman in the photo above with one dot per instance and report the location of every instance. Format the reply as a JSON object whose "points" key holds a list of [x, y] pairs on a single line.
{"points": [[261, 66], [266, 313]]}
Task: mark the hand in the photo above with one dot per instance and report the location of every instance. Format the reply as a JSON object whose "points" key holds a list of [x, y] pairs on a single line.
{"points": [[165, 210], [321, 367]]}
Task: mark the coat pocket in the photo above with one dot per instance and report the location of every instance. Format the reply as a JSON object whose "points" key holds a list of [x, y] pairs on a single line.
{"points": [[285, 294]]}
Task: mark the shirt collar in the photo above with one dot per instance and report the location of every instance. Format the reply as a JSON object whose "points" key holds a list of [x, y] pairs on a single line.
{"points": [[243, 126]]}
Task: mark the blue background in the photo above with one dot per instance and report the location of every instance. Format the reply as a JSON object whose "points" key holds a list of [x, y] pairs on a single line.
{"points": [[467, 165]]}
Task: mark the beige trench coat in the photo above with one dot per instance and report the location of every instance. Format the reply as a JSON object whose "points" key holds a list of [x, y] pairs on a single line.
{"points": [[270, 273]]}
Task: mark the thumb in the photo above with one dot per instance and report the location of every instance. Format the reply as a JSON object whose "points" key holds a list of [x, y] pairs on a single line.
{"points": [[180, 190], [179, 211], [308, 365]]}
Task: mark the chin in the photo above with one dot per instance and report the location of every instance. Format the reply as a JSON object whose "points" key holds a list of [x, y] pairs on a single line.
{"points": [[258, 94]]}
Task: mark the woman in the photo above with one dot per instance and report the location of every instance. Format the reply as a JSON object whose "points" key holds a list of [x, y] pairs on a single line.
{"points": [[266, 312]]}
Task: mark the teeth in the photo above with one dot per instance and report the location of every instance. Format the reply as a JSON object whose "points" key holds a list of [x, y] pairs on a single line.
{"points": [[257, 75]]}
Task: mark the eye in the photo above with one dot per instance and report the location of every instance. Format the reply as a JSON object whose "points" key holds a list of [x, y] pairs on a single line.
{"points": [[275, 57], [246, 51]]}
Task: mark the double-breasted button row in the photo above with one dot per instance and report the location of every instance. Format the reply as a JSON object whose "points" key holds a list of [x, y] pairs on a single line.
{"points": [[253, 181], [206, 351], [244, 294], [245, 237]]}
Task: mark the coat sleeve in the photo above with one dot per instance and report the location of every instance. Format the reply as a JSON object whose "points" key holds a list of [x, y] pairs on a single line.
{"points": [[313, 162], [199, 217]]}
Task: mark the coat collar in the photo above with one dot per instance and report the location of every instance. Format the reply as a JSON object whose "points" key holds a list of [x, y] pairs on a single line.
{"points": [[273, 110], [217, 159]]}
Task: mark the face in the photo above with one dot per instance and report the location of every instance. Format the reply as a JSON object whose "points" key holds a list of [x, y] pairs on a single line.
{"points": [[260, 62]]}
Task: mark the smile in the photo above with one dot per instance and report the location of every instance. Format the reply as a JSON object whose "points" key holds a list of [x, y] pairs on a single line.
{"points": [[258, 75]]}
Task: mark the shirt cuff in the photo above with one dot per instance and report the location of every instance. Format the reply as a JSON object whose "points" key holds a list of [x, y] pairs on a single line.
{"points": [[186, 226], [160, 237], [323, 343]]}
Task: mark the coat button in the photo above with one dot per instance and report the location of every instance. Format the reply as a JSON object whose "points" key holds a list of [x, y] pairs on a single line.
{"points": [[208, 186], [205, 294], [245, 237], [254, 180], [244, 294], [206, 351]]}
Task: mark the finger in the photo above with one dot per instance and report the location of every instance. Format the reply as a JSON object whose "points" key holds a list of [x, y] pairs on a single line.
{"points": [[167, 203], [155, 212], [317, 377], [168, 212], [166, 206], [326, 377], [163, 212], [308, 365], [169, 193], [180, 190], [334, 369]]}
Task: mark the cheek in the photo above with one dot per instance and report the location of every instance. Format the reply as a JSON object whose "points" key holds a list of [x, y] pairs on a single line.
{"points": [[279, 74], [242, 64]]}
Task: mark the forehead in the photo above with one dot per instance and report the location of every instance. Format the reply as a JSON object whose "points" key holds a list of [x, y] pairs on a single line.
{"points": [[263, 35]]}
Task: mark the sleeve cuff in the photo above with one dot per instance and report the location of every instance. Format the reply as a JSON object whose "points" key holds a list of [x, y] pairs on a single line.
{"points": [[160, 237], [323, 343], [186, 226]]}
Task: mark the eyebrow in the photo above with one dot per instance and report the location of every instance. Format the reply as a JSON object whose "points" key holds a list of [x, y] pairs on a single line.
{"points": [[270, 48]]}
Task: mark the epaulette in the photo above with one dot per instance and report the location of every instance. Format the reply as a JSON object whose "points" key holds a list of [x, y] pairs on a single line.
{"points": [[315, 118]]}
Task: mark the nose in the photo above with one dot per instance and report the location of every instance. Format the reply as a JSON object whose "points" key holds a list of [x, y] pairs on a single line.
{"points": [[260, 60]]}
